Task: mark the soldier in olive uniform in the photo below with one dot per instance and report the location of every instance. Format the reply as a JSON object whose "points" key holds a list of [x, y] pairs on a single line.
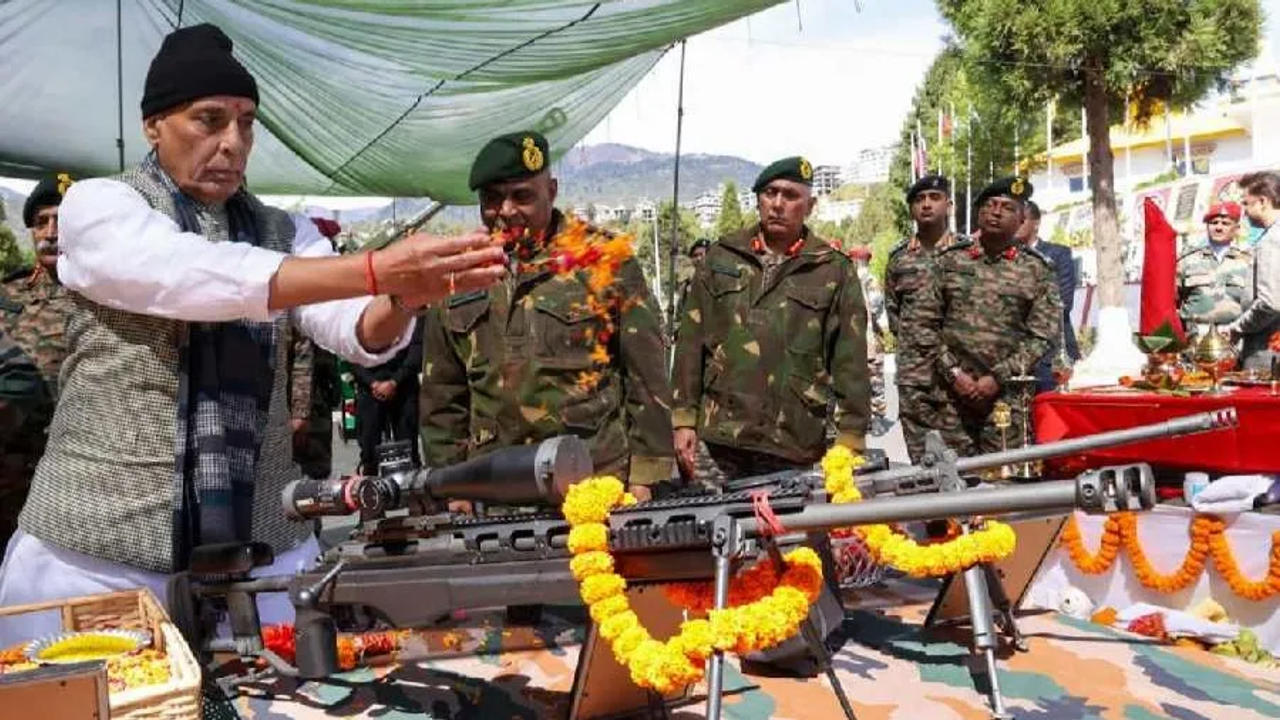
{"points": [[774, 329], [906, 278], [33, 315], [24, 411], [1215, 280], [506, 366], [990, 310], [34, 304]]}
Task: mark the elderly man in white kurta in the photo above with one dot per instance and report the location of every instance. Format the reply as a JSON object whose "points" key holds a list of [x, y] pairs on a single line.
{"points": [[172, 429]]}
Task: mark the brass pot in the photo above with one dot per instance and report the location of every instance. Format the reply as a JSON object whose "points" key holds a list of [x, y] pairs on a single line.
{"points": [[1215, 354]]}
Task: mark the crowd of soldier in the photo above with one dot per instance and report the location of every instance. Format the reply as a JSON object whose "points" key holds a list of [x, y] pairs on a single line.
{"points": [[771, 353]]}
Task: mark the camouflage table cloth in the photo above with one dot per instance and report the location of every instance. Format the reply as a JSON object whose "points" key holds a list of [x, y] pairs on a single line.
{"points": [[893, 670]]}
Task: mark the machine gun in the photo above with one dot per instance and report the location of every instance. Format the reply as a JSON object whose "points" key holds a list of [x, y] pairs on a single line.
{"points": [[410, 570]]}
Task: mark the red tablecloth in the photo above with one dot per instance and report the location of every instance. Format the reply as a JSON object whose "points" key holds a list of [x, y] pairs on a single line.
{"points": [[1252, 447]]}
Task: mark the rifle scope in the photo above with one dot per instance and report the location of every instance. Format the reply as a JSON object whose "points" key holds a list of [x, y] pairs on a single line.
{"points": [[538, 474]]}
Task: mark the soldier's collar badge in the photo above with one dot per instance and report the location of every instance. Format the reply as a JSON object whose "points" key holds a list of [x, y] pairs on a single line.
{"points": [[532, 155], [1010, 252]]}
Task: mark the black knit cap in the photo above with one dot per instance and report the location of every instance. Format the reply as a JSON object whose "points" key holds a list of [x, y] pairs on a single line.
{"points": [[194, 62]]}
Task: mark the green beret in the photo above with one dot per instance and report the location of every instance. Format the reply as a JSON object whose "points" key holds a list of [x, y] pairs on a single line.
{"points": [[510, 157], [792, 168], [928, 182], [48, 192], [1019, 189]]}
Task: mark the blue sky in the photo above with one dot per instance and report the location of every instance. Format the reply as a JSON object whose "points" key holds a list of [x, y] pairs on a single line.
{"points": [[824, 82], [767, 86]]}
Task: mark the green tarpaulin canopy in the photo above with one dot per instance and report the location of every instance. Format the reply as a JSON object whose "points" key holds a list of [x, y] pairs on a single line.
{"points": [[358, 98]]}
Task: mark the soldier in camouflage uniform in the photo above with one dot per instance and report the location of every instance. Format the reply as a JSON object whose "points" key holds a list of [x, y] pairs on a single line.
{"points": [[773, 330], [906, 280], [24, 412], [33, 315], [313, 395], [34, 305], [505, 366], [989, 311], [1215, 279]]}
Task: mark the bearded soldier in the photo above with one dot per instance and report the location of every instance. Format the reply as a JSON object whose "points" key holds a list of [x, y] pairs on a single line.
{"points": [[529, 359]]}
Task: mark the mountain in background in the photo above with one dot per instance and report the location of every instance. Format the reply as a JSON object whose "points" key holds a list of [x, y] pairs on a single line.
{"points": [[607, 174], [613, 174]]}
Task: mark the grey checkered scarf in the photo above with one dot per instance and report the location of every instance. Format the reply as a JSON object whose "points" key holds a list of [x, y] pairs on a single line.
{"points": [[225, 376]]}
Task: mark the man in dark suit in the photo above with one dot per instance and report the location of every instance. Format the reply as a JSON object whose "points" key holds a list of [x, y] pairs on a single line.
{"points": [[387, 402], [1065, 269]]}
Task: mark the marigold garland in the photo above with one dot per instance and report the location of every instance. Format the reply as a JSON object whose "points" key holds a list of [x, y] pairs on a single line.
{"points": [[681, 660], [995, 541], [580, 248], [1208, 539]]}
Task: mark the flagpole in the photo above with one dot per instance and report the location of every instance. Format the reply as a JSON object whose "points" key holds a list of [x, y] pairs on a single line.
{"points": [[1048, 142], [968, 173]]}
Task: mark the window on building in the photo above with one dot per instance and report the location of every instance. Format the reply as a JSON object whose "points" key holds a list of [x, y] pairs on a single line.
{"points": [[1076, 184]]}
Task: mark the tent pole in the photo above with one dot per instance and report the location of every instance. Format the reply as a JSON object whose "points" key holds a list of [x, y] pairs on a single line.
{"points": [[119, 86], [675, 210]]}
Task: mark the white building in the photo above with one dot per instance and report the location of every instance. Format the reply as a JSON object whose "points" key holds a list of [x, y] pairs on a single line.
{"points": [[746, 201], [836, 210], [826, 178], [871, 166], [1224, 137], [707, 206], [645, 211]]}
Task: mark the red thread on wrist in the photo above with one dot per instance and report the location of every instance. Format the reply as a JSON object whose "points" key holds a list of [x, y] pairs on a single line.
{"points": [[370, 280]]}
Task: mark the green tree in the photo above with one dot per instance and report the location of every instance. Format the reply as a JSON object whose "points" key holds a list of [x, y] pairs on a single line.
{"points": [[1104, 55], [730, 220], [12, 256], [988, 137]]}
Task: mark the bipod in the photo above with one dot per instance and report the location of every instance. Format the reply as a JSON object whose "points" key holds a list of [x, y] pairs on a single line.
{"points": [[980, 583], [726, 541]]}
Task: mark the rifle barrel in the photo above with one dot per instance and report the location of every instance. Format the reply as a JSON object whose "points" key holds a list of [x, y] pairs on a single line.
{"points": [[1052, 495], [888, 481]]}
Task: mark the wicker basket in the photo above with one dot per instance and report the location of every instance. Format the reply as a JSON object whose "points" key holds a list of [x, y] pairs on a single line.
{"points": [[178, 699]]}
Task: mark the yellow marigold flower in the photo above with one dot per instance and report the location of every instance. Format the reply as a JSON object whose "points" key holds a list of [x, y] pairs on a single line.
{"points": [[598, 587], [696, 638], [591, 500], [628, 641], [608, 608], [588, 537], [590, 563], [615, 625]]}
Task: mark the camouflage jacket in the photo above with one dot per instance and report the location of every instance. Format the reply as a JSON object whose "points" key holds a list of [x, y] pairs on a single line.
{"points": [[762, 355], [501, 367], [313, 395], [989, 315], [24, 404], [1212, 291], [34, 308], [906, 276]]}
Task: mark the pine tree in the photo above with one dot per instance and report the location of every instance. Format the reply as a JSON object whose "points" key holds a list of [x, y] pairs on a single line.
{"points": [[730, 220]]}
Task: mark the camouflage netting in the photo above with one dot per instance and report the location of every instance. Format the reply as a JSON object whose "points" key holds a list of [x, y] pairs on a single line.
{"points": [[358, 97]]}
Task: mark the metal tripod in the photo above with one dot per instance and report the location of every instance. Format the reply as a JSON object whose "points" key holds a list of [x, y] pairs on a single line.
{"points": [[726, 544]]}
